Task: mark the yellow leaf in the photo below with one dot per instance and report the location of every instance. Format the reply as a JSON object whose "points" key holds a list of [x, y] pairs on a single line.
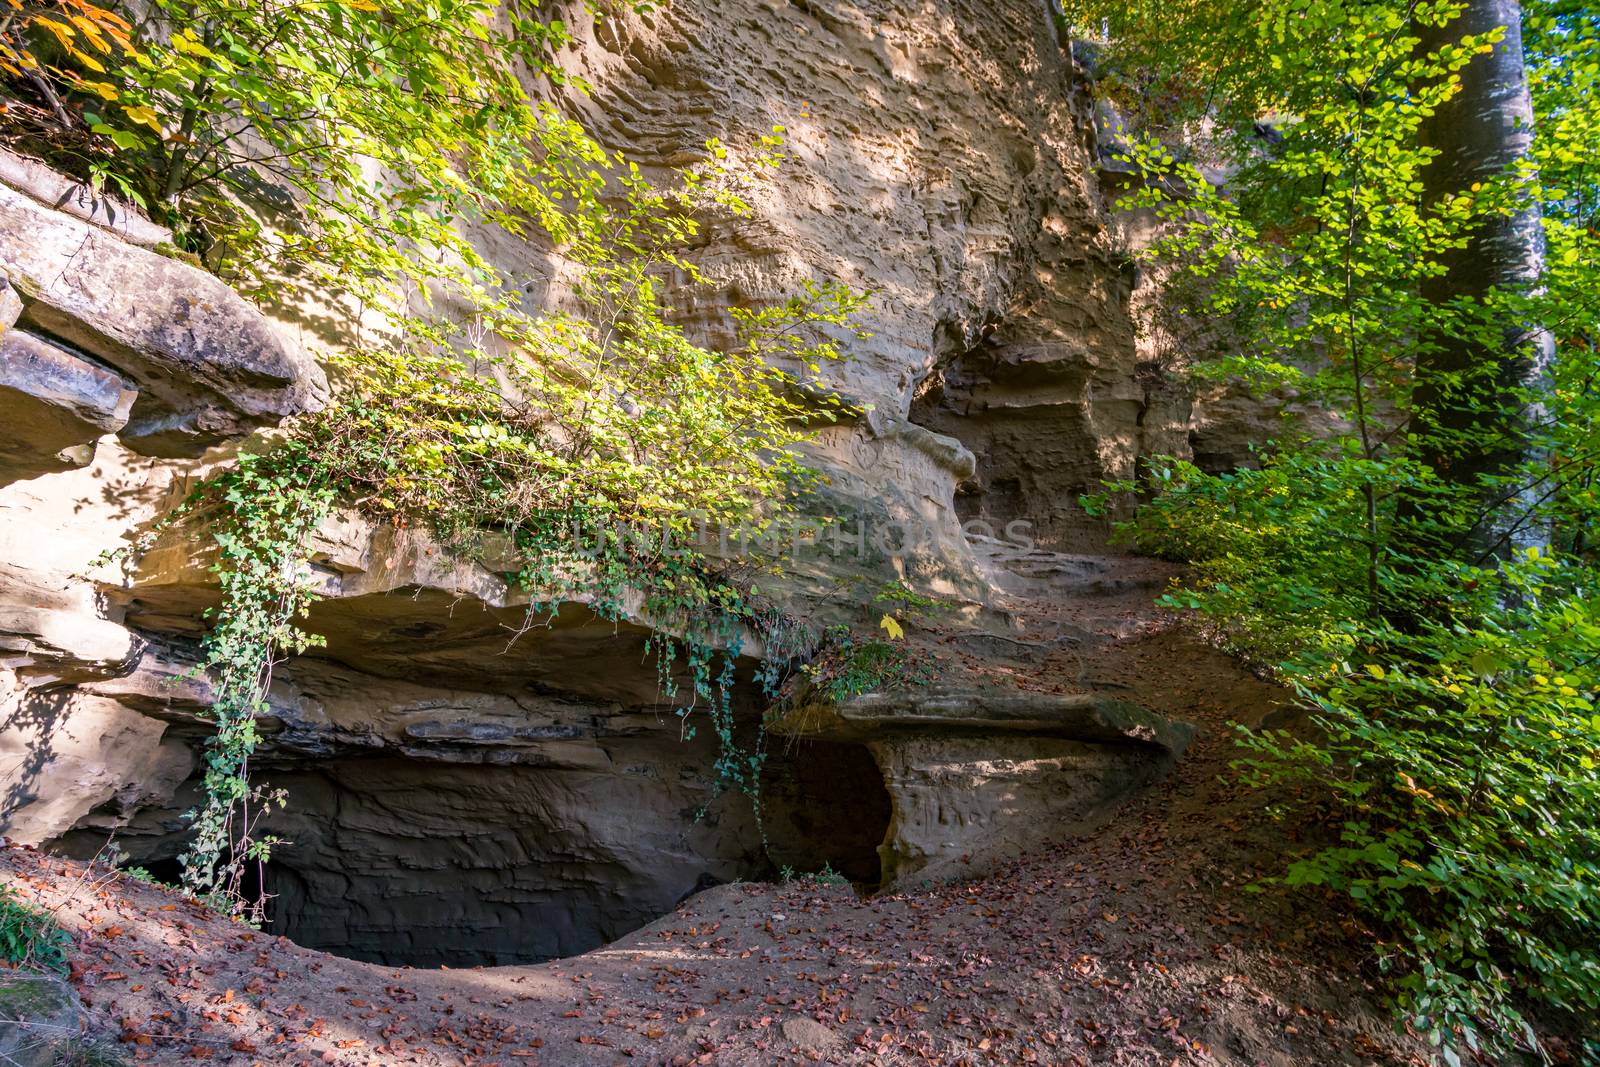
{"points": [[144, 116], [91, 31], [87, 60], [1375, 670], [190, 46], [62, 31], [891, 627]]}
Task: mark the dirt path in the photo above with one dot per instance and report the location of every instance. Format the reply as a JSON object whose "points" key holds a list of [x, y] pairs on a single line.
{"points": [[1135, 945]]}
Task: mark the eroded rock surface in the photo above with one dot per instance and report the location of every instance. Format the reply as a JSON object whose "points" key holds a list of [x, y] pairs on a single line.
{"points": [[205, 365], [977, 774], [465, 787]]}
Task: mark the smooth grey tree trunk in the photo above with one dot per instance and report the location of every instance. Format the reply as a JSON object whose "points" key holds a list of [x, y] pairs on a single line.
{"points": [[1472, 411]]}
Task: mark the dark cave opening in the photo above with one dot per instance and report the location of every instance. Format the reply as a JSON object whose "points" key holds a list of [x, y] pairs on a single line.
{"points": [[420, 863], [166, 871], [825, 807]]}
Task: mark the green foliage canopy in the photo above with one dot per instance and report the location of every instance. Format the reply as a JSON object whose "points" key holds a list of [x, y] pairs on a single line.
{"points": [[1457, 753]]}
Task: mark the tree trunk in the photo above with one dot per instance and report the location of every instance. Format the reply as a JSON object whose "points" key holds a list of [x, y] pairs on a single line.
{"points": [[1473, 411]]}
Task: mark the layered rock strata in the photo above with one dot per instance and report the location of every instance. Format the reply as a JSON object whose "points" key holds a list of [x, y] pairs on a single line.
{"points": [[465, 788], [979, 772]]}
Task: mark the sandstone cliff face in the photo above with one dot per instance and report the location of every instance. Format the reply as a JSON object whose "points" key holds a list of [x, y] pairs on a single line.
{"points": [[941, 156], [460, 796]]}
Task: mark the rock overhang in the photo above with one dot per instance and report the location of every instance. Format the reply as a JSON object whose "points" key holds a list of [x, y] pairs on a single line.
{"points": [[204, 366]]}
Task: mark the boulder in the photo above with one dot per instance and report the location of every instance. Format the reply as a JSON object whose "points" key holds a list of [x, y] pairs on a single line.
{"points": [[57, 405], [206, 364], [80, 200], [42, 1022]]}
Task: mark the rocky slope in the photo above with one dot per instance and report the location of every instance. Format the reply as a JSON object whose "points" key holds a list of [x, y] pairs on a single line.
{"points": [[460, 796]]}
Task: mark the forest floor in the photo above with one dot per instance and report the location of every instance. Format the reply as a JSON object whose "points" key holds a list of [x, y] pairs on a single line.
{"points": [[1137, 944]]}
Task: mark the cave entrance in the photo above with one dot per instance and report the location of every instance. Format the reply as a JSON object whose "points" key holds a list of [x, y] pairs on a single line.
{"points": [[824, 806], [415, 862], [419, 863]]}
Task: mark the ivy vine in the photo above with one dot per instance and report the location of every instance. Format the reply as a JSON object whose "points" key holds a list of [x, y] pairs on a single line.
{"points": [[265, 510], [463, 404]]}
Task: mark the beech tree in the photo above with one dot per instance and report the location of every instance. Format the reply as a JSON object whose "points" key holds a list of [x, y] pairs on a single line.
{"points": [[1477, 389]]}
